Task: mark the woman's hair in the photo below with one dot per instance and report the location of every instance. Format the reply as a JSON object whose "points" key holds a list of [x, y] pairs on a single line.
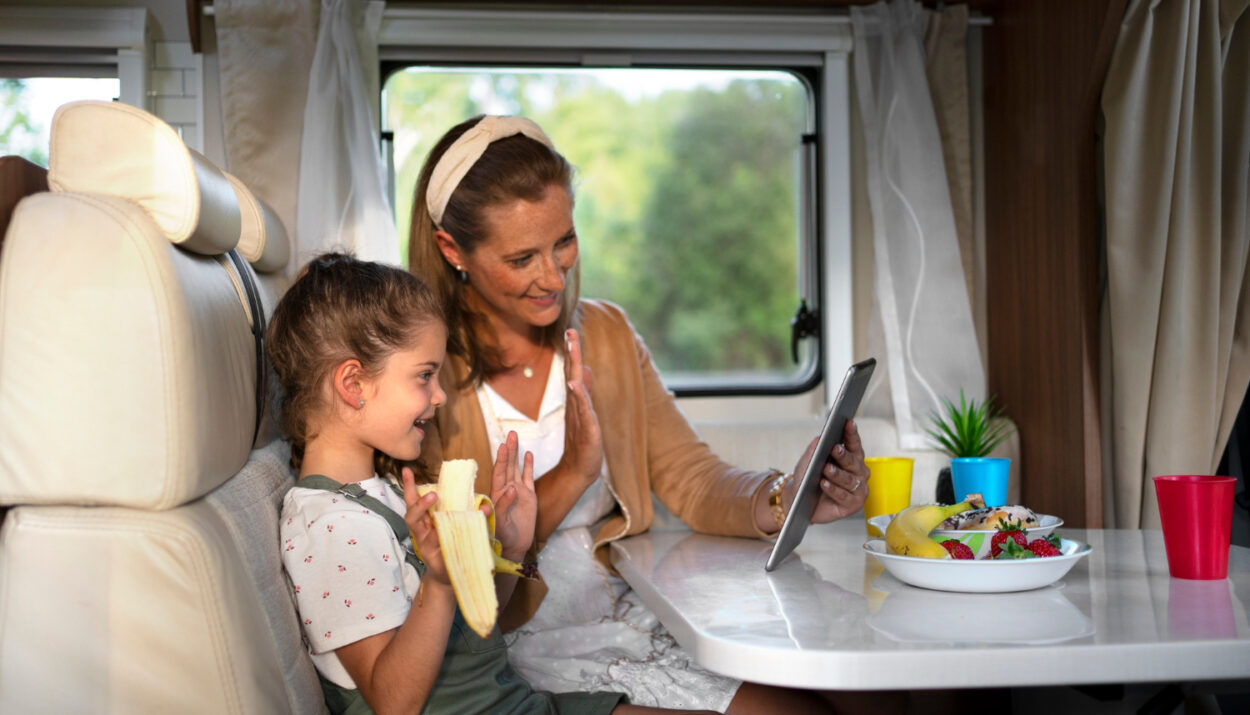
{"points": [[511, 169], [341, 308]]}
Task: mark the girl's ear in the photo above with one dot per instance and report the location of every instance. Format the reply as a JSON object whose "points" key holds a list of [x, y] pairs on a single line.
{"points": [[349, 384], [450, 249]]}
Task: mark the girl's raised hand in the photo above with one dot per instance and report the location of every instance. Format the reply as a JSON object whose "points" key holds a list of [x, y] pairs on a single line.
{"points": [[583, 443], [516, 505], [421, 528]]}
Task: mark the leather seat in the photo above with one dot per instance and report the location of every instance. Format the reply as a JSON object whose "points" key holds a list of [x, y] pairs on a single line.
{"points": [[139, 564]]}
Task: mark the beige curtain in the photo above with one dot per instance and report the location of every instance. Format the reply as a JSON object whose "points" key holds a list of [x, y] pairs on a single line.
{"points": [[265, 50], [1176, 309]]}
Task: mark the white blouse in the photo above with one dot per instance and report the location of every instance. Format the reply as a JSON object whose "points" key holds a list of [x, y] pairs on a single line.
{"points": [[545, 438], [591, 632]]}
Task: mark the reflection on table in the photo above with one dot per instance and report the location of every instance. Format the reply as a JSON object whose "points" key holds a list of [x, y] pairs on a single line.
{"points": [[830, 617]]}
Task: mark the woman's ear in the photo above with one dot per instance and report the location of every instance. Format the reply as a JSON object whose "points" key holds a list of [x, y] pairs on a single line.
{"points": [[349, 384], [450, 249]]}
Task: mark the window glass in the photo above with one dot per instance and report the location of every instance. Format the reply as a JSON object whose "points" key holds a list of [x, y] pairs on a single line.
{"points": [[687, 197], [27, 106]]}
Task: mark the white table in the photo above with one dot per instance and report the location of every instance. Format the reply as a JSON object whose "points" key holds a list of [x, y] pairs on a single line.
{"points": [[830, 617]]}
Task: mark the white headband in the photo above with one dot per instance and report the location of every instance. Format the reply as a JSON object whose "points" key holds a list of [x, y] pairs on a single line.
{"points": [[464, 153]]}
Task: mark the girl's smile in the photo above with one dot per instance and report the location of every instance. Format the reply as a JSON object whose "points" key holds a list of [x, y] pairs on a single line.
{"points": [[404, 396]]}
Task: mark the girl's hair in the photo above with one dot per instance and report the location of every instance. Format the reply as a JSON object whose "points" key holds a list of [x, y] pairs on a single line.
{"points": [[341, 308], [510, 169]]}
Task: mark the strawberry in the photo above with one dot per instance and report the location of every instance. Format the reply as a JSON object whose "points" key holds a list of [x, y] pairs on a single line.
{"points": [[957, 549], [1009, 530], [1044, 547]]}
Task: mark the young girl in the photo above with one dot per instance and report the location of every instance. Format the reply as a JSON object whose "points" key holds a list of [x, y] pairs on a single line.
{"points": [[357, 347]]}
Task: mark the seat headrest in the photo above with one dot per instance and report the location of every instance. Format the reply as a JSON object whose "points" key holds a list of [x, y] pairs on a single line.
{"points": [[118, 150], [263, 240], [126, 364]]}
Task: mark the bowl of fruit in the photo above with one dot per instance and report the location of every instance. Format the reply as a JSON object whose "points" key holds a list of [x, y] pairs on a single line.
{"points": [[1015, 561], [985, 530]]}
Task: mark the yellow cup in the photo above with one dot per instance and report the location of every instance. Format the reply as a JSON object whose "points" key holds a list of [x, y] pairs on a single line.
{"points": [[889, 487]]}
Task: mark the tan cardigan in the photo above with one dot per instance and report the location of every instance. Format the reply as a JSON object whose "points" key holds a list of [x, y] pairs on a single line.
{"points": [[647, 443]]}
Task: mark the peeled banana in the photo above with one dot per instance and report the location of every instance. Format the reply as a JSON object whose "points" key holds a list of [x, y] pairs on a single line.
{"points": [[908, 532], [467, 538]]}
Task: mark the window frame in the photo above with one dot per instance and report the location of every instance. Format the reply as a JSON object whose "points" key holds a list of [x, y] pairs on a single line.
{"points": [[817, 50], [82, 42]]}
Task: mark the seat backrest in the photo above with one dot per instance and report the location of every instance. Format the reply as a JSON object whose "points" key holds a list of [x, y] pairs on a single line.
{"points": [[19, 178], [139, 564]]}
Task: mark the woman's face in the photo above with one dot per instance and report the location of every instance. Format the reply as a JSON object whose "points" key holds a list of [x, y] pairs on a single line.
{"points": [[519, 267]]}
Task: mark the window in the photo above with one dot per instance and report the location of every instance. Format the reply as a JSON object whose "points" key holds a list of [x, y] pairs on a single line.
{"points": [[688, 194], [27, 106], [53, 55], [698, 169]]}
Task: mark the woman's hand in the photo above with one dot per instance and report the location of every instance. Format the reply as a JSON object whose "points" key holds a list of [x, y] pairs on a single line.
{"points": [[582, 461], [844, 479], [516, 505], [583, 443], [421, 528]]}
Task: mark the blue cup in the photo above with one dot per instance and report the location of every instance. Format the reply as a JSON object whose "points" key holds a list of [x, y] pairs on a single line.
{"points": [[985, 475]]}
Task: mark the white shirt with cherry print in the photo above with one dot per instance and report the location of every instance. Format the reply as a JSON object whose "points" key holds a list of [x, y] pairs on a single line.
{"points": [[346, 568]]}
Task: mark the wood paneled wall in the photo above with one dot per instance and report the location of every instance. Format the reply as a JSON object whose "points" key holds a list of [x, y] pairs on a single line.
{"points": [[1045, 61]]}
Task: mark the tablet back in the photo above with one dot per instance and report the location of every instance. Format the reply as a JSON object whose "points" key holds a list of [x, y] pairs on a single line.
{"points": [[808, 494]]}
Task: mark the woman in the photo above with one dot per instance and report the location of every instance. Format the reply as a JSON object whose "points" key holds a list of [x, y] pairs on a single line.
{"points": [[492, 231]]}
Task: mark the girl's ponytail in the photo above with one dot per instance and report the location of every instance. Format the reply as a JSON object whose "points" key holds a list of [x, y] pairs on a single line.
{"points": [[340, 308]]}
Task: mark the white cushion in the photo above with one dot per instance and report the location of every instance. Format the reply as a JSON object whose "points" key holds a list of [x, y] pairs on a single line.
{"points": [[116, 149], [114, 610], [263, 241], [127, 369], [250, 505]]}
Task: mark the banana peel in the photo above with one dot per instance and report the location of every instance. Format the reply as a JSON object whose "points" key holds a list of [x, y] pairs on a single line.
{"points": [[470, 550], [908, 532]]}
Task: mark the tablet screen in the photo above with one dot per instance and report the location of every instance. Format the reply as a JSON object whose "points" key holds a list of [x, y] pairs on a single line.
{"points": [[808, 494]]}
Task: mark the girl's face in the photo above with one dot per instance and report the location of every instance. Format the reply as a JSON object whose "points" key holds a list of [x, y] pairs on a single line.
{"points": [[519, 268], [400, 399]]}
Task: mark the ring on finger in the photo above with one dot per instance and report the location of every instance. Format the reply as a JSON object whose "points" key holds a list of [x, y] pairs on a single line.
{"points": [[855, 486]]}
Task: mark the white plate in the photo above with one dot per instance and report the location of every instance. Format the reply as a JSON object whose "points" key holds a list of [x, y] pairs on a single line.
{"points": [[979, 576], [979, 539]]}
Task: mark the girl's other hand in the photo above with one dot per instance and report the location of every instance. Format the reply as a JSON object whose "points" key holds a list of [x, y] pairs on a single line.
{"points": [[421, 528], [516, 505], [583, 443], [844, 479]]}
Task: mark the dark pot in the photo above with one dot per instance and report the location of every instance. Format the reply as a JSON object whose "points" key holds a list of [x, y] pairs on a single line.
{"points": [[945, 493]]}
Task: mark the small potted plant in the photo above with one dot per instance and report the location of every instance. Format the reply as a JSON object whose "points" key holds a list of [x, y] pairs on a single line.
{"points": [[965, 431]]}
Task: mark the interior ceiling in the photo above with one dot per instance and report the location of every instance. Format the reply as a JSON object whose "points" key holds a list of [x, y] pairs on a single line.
{"points": [[983, 6]]}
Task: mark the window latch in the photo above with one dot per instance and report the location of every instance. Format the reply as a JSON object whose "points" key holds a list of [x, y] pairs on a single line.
{"points": [[804, 324]]}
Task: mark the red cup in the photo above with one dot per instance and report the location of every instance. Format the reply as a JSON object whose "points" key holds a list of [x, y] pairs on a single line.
{"points": [[1197, 516]]}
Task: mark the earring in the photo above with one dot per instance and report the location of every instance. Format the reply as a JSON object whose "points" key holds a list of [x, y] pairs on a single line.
{"points": [[462, 274], [362, 403]]}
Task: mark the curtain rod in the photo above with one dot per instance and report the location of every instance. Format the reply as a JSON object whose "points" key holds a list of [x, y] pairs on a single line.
{"points": [[977, 20]]}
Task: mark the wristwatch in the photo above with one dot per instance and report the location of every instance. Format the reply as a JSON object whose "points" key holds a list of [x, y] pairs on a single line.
{"points": [[775, 507]]}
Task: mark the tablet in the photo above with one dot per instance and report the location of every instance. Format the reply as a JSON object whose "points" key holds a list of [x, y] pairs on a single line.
{"points": [[808, 494]]}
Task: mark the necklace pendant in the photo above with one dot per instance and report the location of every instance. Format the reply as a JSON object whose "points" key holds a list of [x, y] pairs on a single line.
{"points": [[527, 371]]}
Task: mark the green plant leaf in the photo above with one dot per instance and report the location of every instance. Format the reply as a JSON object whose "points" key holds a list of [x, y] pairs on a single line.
{"points": [[970, 429]]}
